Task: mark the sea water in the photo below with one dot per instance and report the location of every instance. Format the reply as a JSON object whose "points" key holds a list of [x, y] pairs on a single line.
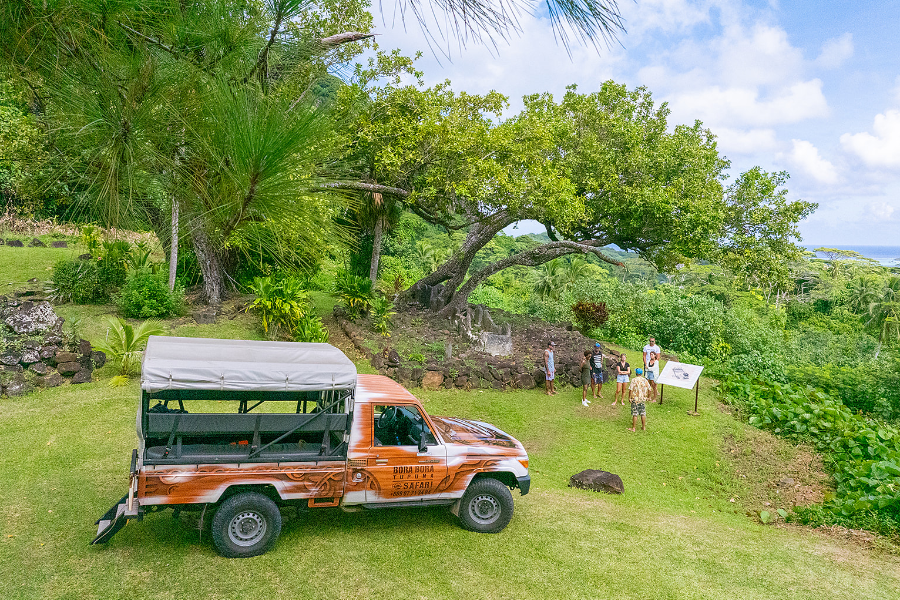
{"points": [[888, 256]]}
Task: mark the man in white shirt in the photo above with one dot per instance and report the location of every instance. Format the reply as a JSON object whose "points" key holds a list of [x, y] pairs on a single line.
{"points": [[651, 347]]}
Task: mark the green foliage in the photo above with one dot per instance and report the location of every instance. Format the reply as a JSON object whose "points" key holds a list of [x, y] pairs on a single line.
{"points": [[863, 453], [355, 293], [76, 281], [309, 328], [281, 304], [381, 315], [124, 342], [147, 295], [590, 315], [416, 357], [91, 238], [884, 312]]}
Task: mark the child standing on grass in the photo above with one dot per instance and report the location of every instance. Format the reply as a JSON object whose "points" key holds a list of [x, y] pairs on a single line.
{"points": [[585, 377], [640, 390]]}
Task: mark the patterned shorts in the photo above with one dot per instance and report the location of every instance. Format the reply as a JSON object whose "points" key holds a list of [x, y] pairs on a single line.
{"points": [[597, 377], [638, 409]]}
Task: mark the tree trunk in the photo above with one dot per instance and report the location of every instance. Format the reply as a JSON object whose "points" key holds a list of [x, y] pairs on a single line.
{"points": [[173, 246], [210, 264], [376, 249]]}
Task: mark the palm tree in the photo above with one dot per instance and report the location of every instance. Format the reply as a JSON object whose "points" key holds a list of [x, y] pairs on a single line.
{"points": [[550, 282], [863, 292], [884, 313]]}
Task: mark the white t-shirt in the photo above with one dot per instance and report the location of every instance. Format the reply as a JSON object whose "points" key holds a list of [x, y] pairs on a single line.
{"points": [[648, 349]]}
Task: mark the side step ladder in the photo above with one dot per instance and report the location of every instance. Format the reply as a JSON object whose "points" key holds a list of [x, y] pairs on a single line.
{"points": [[115, 519]]}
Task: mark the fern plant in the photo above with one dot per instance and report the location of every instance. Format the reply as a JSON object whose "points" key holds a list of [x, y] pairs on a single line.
{"points": [[381, 315], [355, 294], [310, 329], [124, 343], [281, 304]]}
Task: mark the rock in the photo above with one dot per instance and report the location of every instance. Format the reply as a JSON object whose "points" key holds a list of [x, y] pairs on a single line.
{"points": [[83, 376], [598, 481], [206, 316], [417, 374], [99, 358], [17, 368], [48, 352], [32, 317], [786, 482], [497, 385], [393, 359], [40, 368], [404, 374], [85, 256], [68, 368], [53, 379], [15, 243], [432, 380], [10, 358], [525, 381], [86, 363], [18, 386], [377, 361], [66, 357], [84, 348], [32, 344], [539, 376], [53, 340], [461, 382], [30, 356], [37, 243], [59, 244]]}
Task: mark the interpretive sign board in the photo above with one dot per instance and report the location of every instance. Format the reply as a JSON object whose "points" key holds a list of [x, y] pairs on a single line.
{"points": [[680, 375]]}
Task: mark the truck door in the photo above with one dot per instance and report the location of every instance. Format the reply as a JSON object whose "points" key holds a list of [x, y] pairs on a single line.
{"points": [[401, 471]]}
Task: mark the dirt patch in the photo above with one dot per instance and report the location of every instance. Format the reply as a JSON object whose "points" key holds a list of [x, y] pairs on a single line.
{"points": [[777, 474]]}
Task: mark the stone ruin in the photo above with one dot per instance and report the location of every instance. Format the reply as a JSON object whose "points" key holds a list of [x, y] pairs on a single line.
{"points": [[34, 351], [478, 327]]}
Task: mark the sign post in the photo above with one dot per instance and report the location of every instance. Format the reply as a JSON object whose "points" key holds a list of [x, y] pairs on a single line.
{"points": [[684, 376]]}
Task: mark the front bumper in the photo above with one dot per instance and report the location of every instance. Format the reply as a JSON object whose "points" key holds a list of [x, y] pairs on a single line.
{"points": [[524, 484]]}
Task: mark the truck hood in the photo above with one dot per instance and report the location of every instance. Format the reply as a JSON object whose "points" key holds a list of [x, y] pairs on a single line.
{"points": [[464, 431]]}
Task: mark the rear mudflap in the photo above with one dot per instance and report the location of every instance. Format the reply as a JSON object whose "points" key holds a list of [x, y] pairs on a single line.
{"points": [[116, 518]]}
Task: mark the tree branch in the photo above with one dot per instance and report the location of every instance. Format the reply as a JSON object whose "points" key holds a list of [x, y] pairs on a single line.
{"points": [[264, 53], [366, 187], [344, 38], [159, 44], [238, 216]]}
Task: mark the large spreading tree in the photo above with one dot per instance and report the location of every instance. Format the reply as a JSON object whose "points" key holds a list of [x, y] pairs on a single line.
{"points": [[595, 169]]}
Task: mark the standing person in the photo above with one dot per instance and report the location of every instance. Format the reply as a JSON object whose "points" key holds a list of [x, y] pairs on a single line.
{"points": [[597, 371], [550, 368], [651, 347], [640, 390], [585, 377], [653, 372], [623, 370]]}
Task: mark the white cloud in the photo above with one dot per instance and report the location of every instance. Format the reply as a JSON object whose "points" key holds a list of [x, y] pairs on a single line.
{"points": [[761, 56], [752, 141], [738, 106], [881, 150], [806, 157], [836, 51], [881, 210]]}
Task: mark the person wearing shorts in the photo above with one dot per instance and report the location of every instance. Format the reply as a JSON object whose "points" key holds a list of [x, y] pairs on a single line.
{"points": [[623, 370], [550, 368], [652, 372], [585, 377], [597, 371], [638, 395]]}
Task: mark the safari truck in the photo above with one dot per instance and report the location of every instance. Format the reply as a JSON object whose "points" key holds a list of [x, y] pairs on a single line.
{"points": [[238, 429]]}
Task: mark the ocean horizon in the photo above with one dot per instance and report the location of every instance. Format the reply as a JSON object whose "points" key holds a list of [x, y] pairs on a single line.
{"points": [[889, 256]]}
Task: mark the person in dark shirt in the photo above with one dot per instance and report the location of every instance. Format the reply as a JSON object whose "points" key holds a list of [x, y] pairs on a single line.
{"points": [[623, 370], [597, 372]]}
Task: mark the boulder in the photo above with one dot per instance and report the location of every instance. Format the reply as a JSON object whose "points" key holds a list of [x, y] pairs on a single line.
{"points": [[66, 357], [10, 358], [85, 256], [59, 244], [377, 361], [17, 368], [15, 243], [52, 379], [99, 358], [32, 318], [67, 369], [48, 352], [37, 243], [84, 348], [17, 386], [525, 381], [598, 481], [432, 380], [31, 344], [83, 376], [417, 374], [393, 359], [461, 382], [207, 316], [86, 363], [404, 374], [497, 385], [30, 356], [41, 368]]}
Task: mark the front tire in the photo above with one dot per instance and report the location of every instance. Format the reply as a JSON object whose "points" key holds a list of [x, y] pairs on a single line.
{"points": [[486, 507], [246, 525]]}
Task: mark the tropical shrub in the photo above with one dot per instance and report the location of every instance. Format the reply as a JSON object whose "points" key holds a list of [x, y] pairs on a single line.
{"points": [[590, 315], [863, 453], [309, 328], [381, 315], [147, 295], [125, 343], [355, 293], [75, 281], [281, 304]]}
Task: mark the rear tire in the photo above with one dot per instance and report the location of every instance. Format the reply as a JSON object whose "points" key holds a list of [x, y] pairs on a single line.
{"points": [[486, 507], [246, 525]]}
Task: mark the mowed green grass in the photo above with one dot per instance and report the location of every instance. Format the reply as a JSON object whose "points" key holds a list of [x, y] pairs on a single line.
{"points": [[674, 533], [18, 265]]}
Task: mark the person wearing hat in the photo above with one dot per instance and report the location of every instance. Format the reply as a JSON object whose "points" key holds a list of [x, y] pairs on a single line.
{"points": [[638, 394], [550, 368], [597, 371]]}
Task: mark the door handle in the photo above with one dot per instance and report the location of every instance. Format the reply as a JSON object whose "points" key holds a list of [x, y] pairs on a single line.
{"points": [[381, 461]]}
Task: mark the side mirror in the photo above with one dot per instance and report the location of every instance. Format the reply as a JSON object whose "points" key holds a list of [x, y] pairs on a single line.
{"points": [[423, 447]]}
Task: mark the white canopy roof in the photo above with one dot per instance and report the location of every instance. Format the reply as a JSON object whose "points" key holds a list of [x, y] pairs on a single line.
{"points": [[177, 363]]}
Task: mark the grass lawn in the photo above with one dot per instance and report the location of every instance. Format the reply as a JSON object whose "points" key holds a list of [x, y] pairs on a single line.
{"points": [[18, 265], [674, 534]]}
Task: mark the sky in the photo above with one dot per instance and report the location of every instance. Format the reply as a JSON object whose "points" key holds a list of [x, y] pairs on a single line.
{"points": [[808, 87]]}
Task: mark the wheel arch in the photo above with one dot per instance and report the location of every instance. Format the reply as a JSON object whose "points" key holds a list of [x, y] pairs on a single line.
{"points": [[266, 489], [505, 477]]}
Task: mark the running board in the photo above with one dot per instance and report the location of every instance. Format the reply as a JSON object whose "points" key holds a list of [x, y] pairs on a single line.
{"points": [[413, 504], [115, 519]]}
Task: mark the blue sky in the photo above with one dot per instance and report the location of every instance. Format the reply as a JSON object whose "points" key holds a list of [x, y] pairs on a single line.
{"points": [[812, 88]]}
